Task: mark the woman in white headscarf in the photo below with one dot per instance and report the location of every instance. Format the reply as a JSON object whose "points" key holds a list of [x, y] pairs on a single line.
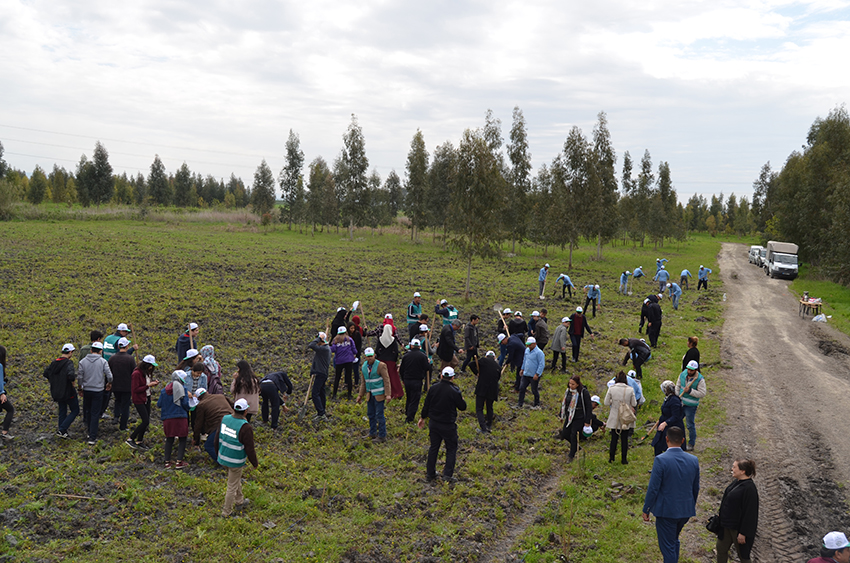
{"points": [[386, 351], [213, 371]]}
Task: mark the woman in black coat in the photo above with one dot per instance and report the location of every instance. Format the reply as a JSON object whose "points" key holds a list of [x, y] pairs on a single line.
{"points": [[692, 353], [672, 414], [739, 512], [576, 412]]}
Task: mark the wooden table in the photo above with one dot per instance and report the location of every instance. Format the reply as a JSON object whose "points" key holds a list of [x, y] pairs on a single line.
{"points": [[808, 308]]}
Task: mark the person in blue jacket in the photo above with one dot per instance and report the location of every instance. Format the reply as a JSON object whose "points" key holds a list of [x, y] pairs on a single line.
{"points": [[659, 263], [541, 277], [533, 364], [683, 278], [173, 406], [675, 294], [702, 276], [662, 276], [638, 273], [594, 295], [567, 285], [515, 357], [624, 282], [672, 493]]}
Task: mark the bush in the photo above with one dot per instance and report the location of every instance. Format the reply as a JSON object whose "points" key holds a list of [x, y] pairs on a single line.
{"points": [[8, 195]]}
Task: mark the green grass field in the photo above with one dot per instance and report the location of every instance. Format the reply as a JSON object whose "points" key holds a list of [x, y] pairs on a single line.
{"points": [[323, 493]]}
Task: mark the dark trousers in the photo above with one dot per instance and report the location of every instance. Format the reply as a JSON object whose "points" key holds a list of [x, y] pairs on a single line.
{"points": [[66, 417], [413, 331], [181, 448], [570, 432], [653, 332], [637, 362], [503, 352], [209, 446], [441, 432], [484, 421], [563, 356], [122, 408], [349, 372], [10, 412], [524, 384], [320, 400], [565, 289], [92, 403], [104, 402], [668, 530], [587, 302], [413, 392], [730, 538], [702, 283], [517, 377], [144, 410], [270, 396], [471, 354], [623, 437], [576, 341], [683, 282]]}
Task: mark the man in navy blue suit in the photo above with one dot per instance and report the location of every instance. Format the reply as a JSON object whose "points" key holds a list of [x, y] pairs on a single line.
{"points": [[672, 493]]}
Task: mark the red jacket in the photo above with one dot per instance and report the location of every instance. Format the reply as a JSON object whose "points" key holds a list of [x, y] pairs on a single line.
{"points": [[138, 387]]}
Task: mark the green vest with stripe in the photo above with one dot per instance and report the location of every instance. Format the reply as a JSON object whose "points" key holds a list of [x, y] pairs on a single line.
{"points": [[231, 452], [373, 380], [452, 316], [683, 382], [110, 346]]}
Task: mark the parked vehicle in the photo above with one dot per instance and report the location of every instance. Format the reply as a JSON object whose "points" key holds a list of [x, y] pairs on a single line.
{"points": [[754, 253], [762, 258], [781, 260]]}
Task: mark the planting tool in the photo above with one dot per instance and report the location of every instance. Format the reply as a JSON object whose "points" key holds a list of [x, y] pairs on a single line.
{"points": [[191, 340], [355, 305], [650, 433], [543, 293], [303, 410], [498, 308]]}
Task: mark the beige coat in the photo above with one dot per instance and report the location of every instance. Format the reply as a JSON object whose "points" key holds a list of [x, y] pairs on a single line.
{"points": [[385, 375], [619, 393]]}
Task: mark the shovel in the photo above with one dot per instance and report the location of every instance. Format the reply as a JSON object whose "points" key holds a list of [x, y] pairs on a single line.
{"points": [[303, 410], [498, 308]]}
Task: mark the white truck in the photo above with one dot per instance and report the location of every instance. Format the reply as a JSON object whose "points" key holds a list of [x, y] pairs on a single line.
{"points": [[781, 260]]}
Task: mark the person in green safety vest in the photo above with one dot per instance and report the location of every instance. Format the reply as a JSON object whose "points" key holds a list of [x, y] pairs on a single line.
{"points": [[235, 444], [377, 385]]}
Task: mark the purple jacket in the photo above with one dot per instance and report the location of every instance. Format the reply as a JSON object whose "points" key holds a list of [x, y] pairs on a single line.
{"points": [[344, 353]]}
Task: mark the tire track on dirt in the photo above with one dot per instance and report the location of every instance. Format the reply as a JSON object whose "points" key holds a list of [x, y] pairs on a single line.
{"points": [[502, 548]]}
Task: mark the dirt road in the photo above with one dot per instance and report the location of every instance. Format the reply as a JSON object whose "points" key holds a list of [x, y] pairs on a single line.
{"points": [[789, 385]]}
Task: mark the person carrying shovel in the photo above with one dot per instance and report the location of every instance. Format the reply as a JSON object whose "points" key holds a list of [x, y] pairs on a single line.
{"points": [[541, 279]]}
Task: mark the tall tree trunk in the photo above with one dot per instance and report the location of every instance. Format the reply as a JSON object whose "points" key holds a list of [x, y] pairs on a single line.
{"points": [[412, 231], [599, 247], [570, 266], [445, 235], [351, 228], [468, 275], [513, 245]]}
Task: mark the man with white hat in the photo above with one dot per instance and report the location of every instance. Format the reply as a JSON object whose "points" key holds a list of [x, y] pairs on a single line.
{"points": [[533, 364], [594, 295], [702, 277], [94, 377], [319, 373], [470, 341], [662, 276], [567, 285], [639, 353], [110, 343], [122, 365], [414, 370], [541, 278], [235, 445], [518, 326], [502, 339], [448, 312], [209, 412], [834, 549], [442, 402], [414, 311], [377, 385], [187, 341], [578, 328], [691, 388], [675, 294], [486, 390], [624, 282], [61, 375]]}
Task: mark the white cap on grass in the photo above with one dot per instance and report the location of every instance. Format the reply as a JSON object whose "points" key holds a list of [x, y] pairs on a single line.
{"points": [[565, 320], [530, 340], [423, 328], [415, 343], [835, 540], [388, 316], [535, 313], [507, 311], [490, 354], [579, 310]]}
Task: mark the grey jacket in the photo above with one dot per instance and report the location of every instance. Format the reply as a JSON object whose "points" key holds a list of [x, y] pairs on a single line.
{"points": [[541, 332], [322, 357], [93, 373], [559, 340]]}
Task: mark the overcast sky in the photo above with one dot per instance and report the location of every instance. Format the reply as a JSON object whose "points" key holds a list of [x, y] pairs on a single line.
{"points": [[714, 88]]}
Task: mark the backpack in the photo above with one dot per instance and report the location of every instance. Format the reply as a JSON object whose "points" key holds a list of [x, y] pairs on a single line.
{"points": [[625, 414]]}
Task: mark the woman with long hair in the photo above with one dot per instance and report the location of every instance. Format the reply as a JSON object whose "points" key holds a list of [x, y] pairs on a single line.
{"points": [[576, 413], [246, 386], [141, 382], [345, 352]]}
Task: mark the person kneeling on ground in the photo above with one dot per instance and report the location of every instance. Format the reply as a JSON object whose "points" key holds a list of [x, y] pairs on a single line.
{"points": [[210, 411], [442, 402], [235, 445]]}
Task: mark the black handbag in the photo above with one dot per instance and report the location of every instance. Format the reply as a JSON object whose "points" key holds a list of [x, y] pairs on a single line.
{"points": [[713, 525]]}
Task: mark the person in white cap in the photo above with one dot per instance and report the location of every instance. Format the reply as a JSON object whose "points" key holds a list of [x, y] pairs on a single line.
{"points": [[319, 372], [675, 294], [541, 328], [578, 327], [502, 323], [739, 515], [541, 278], [533, 364], [624, 282], [567, 285], [702, 277], [835, 549], [110, 343], [345, 354], [235, 445], [502, 339], [448, 312], [414, 312], [442, 402], [61, 375], [174, 412], [638, 273], [94, 377], [470, 341], [593, 295], [486, 390], [210, 411], [559, 345], [662, 276], [187, 340], [376, 384], [415, 369], [122, 365], [141, 381], [691, 388], [518, 326], [659, 264]]}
